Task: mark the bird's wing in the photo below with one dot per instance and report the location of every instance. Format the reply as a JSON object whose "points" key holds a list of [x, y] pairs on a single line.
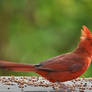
{"points": [[66, 62]]}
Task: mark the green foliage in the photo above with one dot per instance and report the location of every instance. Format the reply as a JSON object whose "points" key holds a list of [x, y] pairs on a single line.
{"points": [[35, 30]]}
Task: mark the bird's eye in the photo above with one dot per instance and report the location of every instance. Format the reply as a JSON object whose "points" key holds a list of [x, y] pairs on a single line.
{"points": [[87, 39]]}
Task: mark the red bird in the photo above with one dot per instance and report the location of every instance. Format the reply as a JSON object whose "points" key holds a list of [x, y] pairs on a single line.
{"points": [[60, 68]]}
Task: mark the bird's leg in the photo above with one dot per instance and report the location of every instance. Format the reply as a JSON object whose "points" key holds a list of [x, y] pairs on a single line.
{"points": [[82, 76], [64, 88], [59, 86]]}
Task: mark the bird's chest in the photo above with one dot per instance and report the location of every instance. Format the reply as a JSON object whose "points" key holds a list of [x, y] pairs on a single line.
{"points": [[87, 63]]}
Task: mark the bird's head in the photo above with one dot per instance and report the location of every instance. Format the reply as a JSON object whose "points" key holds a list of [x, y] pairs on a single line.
{"points": [[86, 40]]}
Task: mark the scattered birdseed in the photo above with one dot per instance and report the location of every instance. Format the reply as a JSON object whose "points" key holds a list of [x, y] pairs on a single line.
{"points": [[77, 85]]}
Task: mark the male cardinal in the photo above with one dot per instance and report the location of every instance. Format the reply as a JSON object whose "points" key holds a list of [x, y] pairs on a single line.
{"points": [[61, 68]]}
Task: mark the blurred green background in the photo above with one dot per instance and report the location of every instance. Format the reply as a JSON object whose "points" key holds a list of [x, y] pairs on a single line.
{"points": [[35, 30]]}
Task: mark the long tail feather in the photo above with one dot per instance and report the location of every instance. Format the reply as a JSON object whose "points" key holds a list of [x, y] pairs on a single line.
{"points": [[16, 67]]}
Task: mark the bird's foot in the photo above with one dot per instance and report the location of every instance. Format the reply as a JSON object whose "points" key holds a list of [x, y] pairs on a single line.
{"points": [[64, 88]]}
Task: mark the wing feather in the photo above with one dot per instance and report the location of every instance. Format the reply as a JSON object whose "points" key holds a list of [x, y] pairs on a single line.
{"points": [[66, 62]]}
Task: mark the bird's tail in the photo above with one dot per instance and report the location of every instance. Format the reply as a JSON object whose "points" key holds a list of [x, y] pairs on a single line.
{"points": [[16, 67]]}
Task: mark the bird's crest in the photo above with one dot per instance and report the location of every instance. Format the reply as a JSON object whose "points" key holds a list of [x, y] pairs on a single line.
{"points": [[86, 34]]}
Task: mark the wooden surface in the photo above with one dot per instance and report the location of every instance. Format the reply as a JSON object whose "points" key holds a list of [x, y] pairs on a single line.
{"points": [[39, 84]]}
